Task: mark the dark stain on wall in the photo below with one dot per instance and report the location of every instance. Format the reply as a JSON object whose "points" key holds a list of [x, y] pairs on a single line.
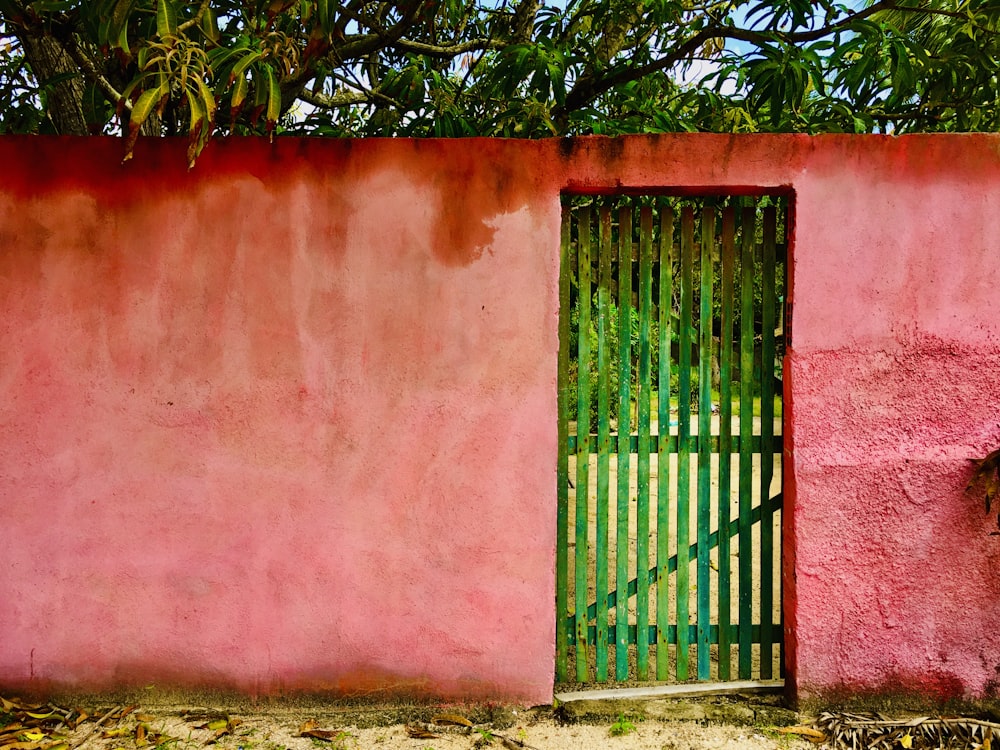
{"points": [[491, 186]]}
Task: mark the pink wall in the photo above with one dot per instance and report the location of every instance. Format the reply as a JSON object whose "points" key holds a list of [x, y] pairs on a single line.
{"points": [[282, 422], [287, 421], [895, 380]]}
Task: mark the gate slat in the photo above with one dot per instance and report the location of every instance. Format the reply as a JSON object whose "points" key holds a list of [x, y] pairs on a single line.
{"points": [[707, 273], [747, 229], [664, 305], [683, 431], [624, 454], [767, 460], [562, 465], [725, 435], [643, 407], [582, 441], [603, 438]]}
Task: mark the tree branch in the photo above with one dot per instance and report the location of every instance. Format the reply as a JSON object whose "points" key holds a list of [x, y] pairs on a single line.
{"points": [[523, 21], [360, 95], [344, 99], [445, 51], [362, 45], [197, 17], [589, 87], [91, 72]]}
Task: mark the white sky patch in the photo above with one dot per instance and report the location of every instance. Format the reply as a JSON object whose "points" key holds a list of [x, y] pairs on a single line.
{"points": [[692, 75]]}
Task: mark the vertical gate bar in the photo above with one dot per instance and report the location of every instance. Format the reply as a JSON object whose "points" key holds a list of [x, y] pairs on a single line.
{"points": [[683, 433], [748, 229], [562, 465], [624, 431], [767, 449], [603, 440], [643, 406], [725, 434], [704, 524], [665, 305], [785, 312], [582, 440]]}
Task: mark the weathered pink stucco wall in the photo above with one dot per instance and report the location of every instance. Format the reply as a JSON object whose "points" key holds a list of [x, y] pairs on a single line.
{"points": [[895, 380], [287, 421], [282, 422]]}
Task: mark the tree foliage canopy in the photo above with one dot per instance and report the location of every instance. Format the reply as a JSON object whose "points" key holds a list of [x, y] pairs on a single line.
{"points": [[502, 68]]}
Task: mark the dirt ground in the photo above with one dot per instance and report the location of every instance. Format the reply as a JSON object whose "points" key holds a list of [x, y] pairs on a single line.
{"points": [[314, 725]]}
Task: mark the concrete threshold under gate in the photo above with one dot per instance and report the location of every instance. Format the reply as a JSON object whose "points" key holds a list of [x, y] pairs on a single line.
{"points": [[675, 691]]}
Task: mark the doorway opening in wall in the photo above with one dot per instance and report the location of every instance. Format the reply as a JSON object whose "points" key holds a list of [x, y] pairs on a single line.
{"points": [[672, 332]]}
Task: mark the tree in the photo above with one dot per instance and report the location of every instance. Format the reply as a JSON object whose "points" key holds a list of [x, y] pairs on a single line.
{"points": [[504, 68]]}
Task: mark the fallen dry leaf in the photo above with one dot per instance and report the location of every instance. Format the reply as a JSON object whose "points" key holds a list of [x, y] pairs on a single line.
{"points": [[810, 733], [311, 728], [327, 735], [419, 733], [452, 720]]}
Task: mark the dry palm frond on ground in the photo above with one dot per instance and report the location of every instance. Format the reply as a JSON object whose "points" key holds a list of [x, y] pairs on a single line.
{"points": [[876, 732]]}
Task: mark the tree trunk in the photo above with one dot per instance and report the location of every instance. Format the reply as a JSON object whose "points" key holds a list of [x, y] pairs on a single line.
{"points": [[64, 99]]}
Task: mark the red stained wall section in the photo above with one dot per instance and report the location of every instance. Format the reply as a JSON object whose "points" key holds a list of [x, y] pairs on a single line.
{"points": [[287, 421]]}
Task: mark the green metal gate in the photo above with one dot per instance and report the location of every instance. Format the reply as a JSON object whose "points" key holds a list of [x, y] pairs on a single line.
{"points": [[671, 335]]}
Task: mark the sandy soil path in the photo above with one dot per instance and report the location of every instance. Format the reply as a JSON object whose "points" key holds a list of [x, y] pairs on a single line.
{"points": [[319, 725]]}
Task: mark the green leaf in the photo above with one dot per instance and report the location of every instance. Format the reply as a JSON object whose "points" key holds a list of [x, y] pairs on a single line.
{"points": [[323, 15], [240, 90], [240, 68], [96, 109], [558, 84], [166, 19], [210, 25], [118, 24], [273, 111], [141, 111], [144, 106], [208, 99]]}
